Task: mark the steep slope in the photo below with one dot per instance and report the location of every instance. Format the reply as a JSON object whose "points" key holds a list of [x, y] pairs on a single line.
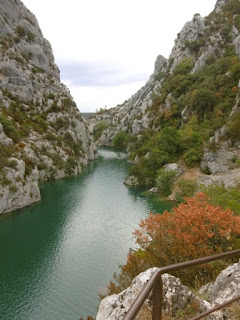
{"points": [[42, 134], [190, 105]]}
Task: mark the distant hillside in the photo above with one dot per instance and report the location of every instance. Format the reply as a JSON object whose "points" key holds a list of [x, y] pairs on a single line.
{"points": [[87, 115], [42, 133]]}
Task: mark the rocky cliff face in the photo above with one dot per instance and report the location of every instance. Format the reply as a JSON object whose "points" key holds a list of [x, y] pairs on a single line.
{"points": [[177, 298], [133, 115], [42, 134], [197, 83]]}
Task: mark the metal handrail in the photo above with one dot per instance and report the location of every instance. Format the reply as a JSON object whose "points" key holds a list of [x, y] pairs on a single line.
{"points": [[155, 284]]}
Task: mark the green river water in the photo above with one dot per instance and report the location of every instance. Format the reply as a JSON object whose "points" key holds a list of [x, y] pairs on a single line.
{"points": [[56, 255]]}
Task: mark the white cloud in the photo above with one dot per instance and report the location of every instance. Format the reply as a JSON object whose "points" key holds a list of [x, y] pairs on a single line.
{"points": [[94, 97], [122, 36]]}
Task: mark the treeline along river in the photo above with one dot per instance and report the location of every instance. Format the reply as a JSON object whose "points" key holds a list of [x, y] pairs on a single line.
{"points": [[56, 255]]}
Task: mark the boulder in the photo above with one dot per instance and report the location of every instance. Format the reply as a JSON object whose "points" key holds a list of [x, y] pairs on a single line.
{"points": [[176, 296], [131, 181], [226, 286], [173, 167]]}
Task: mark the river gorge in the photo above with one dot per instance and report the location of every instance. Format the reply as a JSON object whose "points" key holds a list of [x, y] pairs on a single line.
{"points": [[57, 254]]}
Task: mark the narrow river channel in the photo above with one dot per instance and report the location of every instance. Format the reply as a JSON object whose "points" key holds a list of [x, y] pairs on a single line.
{"points": [[56, 255]]}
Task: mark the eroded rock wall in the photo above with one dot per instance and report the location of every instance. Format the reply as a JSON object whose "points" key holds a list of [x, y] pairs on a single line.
{"points": [[42, 133]]}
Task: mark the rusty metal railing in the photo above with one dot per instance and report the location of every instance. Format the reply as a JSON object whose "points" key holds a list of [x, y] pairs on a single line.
{"points": [[155, 284]]}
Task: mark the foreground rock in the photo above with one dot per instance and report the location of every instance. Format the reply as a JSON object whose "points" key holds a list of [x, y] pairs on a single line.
{"points": [[42, 133], [176, 296]]}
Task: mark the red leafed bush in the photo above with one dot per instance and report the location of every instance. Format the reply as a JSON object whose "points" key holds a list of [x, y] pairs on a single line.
{"points": [[192, 230]]}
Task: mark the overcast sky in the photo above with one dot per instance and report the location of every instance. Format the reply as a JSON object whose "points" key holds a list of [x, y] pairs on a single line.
{"points": [[106, 49]]}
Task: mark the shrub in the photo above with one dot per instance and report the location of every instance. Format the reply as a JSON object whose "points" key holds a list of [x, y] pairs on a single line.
{"points": [[227, 198], [13, 188], [50, 136], [12, 163], [29, 165], [30, 36], [4, 181], [70, 165], [193, 157], [195, 45], [203, 101], [57, 159], [77, 148], [234, 128], [184, 67], [120, 140], [165, 181], [41, 123], [67, 102], [99, 128], [42, 166], [51, 96], [187, 187], [9, 128], [194, 229], [20, 31], [61, 122]]}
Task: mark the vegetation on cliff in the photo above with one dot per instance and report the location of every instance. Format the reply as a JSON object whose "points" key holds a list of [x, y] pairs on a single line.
{"points": [[190, 105], [209, 94]]}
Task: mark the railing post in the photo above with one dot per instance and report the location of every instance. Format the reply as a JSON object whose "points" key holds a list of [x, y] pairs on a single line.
{"points": [[157, 299]]}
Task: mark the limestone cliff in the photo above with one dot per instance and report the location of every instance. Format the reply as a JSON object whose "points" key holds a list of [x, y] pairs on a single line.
{"points": [[197, 90], [177, 297], [42, 133]]}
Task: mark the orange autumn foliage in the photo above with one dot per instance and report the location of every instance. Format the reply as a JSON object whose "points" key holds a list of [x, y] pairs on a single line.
{"points": [[192, 230]]}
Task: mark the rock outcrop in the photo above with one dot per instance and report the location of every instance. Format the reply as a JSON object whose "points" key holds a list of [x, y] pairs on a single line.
{"points": [[176, 296], [42, 133]]}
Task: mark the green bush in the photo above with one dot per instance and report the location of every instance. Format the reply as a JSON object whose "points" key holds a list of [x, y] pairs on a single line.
{"points": [[234, 128], [227, 198], [195, 45], [67, 102], [184, 67], [4, 181], [77, 148], [165, 181], [193, 157], [203, 102], [9, 127], [57, 160], [20, 31], [50, 136], [70, 165], [41, 123], [30, 36], [12, 163], [99, 128], [13, 188], [187, 189], [120, 140], [42, 166], [61, 122], [29, 165]]}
